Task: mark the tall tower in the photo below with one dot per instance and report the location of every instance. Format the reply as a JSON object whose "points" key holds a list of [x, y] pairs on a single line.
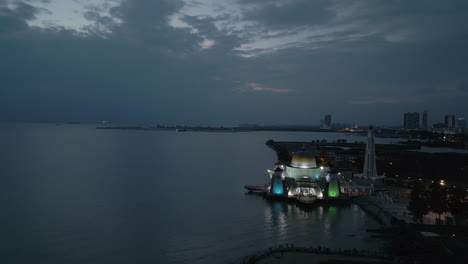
{"points": [[276, 183], [370, 167]]}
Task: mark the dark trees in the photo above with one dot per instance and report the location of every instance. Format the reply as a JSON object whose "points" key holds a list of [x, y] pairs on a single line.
{"points": [[456, 203], [418, 204], [438, 199]]}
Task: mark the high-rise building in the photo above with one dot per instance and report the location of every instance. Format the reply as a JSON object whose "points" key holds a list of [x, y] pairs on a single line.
{"points": [[327, 121], [461, 124], [411, 121], [424, 121], [449, 121]]}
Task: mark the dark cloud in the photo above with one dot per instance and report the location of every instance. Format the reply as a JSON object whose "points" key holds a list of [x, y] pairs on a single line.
{"points": [[287, 13], [407, 21], [12, 20], [462, 86], [385, 100], [10, 23]]}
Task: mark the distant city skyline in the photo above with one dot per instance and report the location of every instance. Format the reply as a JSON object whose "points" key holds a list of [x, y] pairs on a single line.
{"points": [[230, 62], [318, 123], [424, 118]]}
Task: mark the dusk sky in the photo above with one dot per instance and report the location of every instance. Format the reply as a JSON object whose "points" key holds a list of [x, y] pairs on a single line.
{"points": [[226, 62]]}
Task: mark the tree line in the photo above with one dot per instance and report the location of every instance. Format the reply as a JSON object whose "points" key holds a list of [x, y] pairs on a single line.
{"points": [[438, 199]]}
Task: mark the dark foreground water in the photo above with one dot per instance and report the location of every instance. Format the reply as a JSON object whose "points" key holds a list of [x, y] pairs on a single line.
{"points": [[74, 194]]}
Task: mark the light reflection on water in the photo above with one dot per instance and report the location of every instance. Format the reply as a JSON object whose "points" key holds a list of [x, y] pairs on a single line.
{"points": [[320, 225]]}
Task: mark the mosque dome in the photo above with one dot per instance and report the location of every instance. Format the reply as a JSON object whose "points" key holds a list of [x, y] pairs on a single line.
{"points": [[304, 159]]}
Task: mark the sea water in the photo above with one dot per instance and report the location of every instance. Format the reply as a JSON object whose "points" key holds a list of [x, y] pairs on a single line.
{"points": [[71, 193]]}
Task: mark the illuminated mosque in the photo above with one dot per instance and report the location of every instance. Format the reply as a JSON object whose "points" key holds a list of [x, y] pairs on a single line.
{"points": [[305, 178]]}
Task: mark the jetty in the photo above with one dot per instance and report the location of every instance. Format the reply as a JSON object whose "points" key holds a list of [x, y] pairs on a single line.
{"points": [[257, 188]]}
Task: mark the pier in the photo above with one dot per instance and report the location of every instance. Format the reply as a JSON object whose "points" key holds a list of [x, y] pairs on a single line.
{"points": [[257, 188]]}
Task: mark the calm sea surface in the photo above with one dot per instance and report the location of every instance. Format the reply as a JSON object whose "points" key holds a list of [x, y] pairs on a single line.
{"points": [[75, 194]]}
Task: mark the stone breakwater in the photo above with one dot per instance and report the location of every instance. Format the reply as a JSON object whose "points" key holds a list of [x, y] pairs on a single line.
{"points": [[318, 250]]}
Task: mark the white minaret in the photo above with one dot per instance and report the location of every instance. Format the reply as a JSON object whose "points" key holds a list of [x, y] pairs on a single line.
{"points": [[370, 168]]}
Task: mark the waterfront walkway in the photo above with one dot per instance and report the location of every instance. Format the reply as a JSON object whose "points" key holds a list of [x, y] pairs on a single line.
{"points": [[381, 213], [389, 213]]}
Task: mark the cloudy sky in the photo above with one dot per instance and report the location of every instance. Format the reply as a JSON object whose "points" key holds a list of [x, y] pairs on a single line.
{"points": [[225, 62]]}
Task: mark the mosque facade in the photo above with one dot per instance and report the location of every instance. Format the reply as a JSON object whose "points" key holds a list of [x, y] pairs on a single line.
{"points": [[305, 178]]}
